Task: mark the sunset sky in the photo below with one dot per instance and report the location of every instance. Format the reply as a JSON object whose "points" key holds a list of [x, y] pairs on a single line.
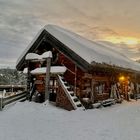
{"points": [[113, 22]]}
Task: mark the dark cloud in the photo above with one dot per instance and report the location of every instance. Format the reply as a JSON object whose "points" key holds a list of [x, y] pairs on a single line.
{"points": [[131, 51], [20, 20], [16, 31]]}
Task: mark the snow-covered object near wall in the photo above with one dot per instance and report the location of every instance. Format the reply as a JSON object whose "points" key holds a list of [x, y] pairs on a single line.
{"points": [[34, 56], [53, 70], [91, 52]]}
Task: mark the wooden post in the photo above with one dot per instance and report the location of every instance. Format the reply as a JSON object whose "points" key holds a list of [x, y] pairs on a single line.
{"points": [[48, 67], [1, 102], [28, 80], [135, 83], [92, 90], [75, 80]]}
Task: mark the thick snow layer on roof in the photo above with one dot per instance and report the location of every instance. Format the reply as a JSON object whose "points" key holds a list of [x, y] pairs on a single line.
{"points": [[88, 50], [91, 51], [34, 56], [53, 70]]}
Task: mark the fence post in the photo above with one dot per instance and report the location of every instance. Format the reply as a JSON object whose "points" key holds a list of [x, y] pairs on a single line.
{"points": [[1, 102]]}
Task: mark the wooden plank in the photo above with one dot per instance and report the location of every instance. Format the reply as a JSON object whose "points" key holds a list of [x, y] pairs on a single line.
{"points": [[47, 78]]}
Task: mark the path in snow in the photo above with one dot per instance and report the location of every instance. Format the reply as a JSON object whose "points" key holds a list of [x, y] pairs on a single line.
{"points": [[32, 121]]}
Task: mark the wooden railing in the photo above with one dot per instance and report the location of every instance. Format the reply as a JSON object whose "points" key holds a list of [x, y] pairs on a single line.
{"points": [[13, 98]]}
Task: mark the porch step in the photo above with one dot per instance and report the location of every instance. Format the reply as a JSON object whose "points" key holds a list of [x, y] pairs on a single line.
{"points": [[79, 105], [66, 84], [69, 89], [63, 79], [108, 102], [76, 99], [97, 105], [70, 94]]}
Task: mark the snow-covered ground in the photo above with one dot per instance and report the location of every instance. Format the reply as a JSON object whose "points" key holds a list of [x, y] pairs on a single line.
{"points": [[32, 121]]}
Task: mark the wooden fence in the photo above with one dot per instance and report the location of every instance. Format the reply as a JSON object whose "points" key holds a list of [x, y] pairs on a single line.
{"points": [[12, 98]]}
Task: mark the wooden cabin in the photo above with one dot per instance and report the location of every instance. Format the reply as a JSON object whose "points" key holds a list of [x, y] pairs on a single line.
{"points": [[91, 69]]}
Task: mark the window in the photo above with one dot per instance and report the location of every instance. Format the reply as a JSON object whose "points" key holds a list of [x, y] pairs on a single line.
{"points": [[101, 87]]}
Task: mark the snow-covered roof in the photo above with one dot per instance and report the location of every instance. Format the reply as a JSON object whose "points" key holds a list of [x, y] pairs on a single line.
{"points": [[53, 70], [91, 52]]}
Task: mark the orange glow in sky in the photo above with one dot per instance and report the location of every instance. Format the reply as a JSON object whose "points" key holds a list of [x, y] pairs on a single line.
{"points": [[125, 40]]}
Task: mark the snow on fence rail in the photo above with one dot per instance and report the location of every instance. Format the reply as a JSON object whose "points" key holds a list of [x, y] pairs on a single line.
{"points": [[10, 99]]}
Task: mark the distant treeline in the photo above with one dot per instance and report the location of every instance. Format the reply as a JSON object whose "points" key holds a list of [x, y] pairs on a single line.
{"points": [[11, 76]]}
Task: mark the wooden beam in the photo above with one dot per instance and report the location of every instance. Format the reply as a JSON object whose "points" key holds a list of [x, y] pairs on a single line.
{"points": [[48, 67], [92, 90]]}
